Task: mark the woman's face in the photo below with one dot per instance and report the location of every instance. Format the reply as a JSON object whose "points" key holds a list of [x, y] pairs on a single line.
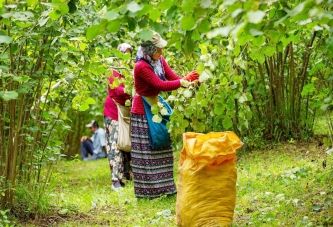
{"points": [[157, 54]]}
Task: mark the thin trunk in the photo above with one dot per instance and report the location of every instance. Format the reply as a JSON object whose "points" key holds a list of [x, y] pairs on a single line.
{"points": [[302, 73]]}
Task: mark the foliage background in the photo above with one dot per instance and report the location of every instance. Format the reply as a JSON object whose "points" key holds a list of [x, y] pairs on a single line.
{"points": [[265, 73]]}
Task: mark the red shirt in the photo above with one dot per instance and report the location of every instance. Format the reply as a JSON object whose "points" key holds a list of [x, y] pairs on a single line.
{"points": [[118, 94], [147, 83]]}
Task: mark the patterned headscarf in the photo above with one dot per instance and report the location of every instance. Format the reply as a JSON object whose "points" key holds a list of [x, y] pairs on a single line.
{"points": [[145, 54], [124, 46]]}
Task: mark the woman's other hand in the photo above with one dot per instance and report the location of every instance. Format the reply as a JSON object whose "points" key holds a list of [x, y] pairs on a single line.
{"points": [[185, 83]]}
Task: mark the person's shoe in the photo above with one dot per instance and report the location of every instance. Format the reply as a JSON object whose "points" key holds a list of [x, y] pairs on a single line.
{"points": [[116, 186]]}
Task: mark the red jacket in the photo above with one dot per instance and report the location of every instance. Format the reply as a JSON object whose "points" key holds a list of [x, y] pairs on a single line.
{"points": [[118, 94], [147, 83]]}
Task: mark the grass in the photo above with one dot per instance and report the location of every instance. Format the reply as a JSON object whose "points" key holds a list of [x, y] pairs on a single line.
{"points": [[284, 186]]}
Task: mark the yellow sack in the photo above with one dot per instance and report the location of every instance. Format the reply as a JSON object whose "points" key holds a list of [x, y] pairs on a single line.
{"points": [[206, 192]]}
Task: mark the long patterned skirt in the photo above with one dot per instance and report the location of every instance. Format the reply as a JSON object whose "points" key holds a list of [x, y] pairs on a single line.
{"points": [[119, 161], [152, 168]]}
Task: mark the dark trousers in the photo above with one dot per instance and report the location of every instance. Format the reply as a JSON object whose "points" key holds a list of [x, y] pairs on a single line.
{"points": [[86, 149]]}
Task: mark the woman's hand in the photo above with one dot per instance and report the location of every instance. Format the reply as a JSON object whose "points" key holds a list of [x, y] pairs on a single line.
{"points": [[192, 76], [185, 83]]}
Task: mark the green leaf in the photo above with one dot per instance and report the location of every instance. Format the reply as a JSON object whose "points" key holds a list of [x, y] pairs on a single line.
{"points": [[227, 123], [164, 111], [4, 56], [188, 46], [84, 107], [43, 21], [205, 3], [255, 17], [54, 15], [34, 129], [134, 7], [204, 76], [297, 10], [258, 41], [187, 5], [237, 79], [63, 8], [157, 118], [9, 95], [90, 101], [255, 32], [111, 15], [165, 4], [269, 51], [92, 32], [204, 26], [219, 108], [155, 109], [223, 31], [131, 23], [31, 2], [200, 68], [309, 88], [113, 26], [187, 22], [46, 115], [316, 207], [5, 39], [188, 94], [145, 35], [154, 15]]}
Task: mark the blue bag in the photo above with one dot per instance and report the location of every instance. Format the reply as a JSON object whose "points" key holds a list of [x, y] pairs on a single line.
{"points": [[158, 132]]}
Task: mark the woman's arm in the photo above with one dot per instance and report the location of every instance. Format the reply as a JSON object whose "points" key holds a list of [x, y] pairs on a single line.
{"points": [[120, 89], [169, 73], [146, 73]]}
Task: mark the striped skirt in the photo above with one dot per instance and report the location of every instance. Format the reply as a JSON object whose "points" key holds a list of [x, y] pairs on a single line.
{"points": [[152, 168]]}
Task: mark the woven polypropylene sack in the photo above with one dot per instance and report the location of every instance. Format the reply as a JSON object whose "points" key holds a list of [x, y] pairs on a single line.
{"points": [[207, 179]]}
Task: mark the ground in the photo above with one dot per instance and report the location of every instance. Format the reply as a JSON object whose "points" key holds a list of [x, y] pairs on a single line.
{"points": [[288, 185]]}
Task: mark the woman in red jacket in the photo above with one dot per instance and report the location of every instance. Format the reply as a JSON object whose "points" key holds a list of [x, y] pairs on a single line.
{"points": [[152, 168], [119, 160]]}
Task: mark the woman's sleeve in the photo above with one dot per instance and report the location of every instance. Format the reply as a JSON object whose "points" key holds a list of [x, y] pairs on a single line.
{"points": [[147, 74], [169, 73], [120, 90]]}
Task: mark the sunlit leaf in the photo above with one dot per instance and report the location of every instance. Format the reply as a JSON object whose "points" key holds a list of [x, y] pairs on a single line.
{"points": [[205, 3], [227, 123], [187, 22], [255, 17], [92, 32], [9, 95], [188, 94], [165, 4], [204, 76], [145, 35], [223, 31], [154, 15], [55, 14], [316, 207], [157, 118], [31, 2], [111, 15], [43, 21], [5, 39], [113, 26], [90, 101], [134, 7], [63, 8]]}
